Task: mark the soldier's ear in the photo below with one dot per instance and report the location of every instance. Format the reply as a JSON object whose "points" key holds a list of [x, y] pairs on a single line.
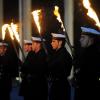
{"points": [[60, 43]]}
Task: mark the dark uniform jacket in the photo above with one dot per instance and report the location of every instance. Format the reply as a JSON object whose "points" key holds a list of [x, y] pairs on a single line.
{"points": [[34, 70], [59, 68], [88, 77], [7, 73]]}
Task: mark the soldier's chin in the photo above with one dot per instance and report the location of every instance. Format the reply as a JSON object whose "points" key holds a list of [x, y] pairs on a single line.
{"points": [[53, 48]]}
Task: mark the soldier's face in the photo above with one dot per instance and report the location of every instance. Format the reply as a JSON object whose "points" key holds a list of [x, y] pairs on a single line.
{"points": [[84, 40], [36, 46], [27, 47], [55, 44], [2, 50]]}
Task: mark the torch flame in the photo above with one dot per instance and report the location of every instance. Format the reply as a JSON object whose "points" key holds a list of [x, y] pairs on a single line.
{"points": [[91, 13], [36, 14], [4, 27], [12, 30], [57, 14]]}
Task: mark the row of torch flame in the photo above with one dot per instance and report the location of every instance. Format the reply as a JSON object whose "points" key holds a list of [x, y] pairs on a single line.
{"points": [[13, 28]]}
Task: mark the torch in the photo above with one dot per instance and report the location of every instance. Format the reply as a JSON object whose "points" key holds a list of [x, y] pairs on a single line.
{"points": [[4, 28], [13, 34], [91, 13], [12, 29], [57, 14], [36, 17], [16, 35]]}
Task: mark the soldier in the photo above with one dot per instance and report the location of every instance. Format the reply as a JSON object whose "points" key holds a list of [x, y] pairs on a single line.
{"points": [[89, 64], [6, 71], [34, 69], [59, 67]]}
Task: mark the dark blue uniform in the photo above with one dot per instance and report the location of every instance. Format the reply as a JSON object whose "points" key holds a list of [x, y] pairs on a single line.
{"points": [[34, 69], [8, 70], [88, 76], [59, 68]]}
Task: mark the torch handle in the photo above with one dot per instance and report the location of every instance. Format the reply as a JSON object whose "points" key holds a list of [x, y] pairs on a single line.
{"points": [[22, 52], [15, 49], [68, 42]]}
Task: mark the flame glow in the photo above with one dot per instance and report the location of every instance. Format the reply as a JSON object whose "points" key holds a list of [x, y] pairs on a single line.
{"points": [[57, 14], [12, 30], [4, 27], [36, 14], [91, 13]]}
